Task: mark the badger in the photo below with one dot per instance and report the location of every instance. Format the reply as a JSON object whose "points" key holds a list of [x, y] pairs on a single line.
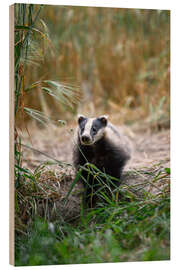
{"points": [[98, 142]]}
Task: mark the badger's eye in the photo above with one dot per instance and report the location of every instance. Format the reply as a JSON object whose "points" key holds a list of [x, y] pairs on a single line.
{"points": [[94, 129]]}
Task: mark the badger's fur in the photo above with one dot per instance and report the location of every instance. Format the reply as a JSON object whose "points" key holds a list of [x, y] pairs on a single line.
{"points": [[98, 142]]}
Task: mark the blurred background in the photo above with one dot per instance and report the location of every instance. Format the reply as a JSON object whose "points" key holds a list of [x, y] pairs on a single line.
{"points": [[110, 60]]}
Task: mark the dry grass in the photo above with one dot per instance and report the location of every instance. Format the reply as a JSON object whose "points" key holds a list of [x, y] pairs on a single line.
{"points": [[43, 193], [118, 57], [53, 192]]}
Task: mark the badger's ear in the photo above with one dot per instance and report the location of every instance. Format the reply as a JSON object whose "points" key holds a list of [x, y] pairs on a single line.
{"points": [[103, 119], [81, 118]]}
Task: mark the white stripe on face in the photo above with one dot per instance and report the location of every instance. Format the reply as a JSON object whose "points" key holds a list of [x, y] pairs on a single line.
{"points": [[88, 126], [99, 135]]}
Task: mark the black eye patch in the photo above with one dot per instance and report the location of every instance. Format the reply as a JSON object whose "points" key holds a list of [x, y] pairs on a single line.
{"points": [[82, 125], [94, 129], [96, 126]]}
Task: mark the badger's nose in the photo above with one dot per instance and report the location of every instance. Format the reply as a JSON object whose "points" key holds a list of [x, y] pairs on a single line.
{"points": [[86, 139]]}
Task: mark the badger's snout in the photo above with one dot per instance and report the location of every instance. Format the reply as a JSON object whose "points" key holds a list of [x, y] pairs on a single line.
{"points": [[86, 139]]}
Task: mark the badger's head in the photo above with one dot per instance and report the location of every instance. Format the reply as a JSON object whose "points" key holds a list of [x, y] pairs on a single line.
{"points": [[91, 130]]}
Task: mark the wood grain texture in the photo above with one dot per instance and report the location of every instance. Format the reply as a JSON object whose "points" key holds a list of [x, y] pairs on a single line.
{"points": [[11, 135]]}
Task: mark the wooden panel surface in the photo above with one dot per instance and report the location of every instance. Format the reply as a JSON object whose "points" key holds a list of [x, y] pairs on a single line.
{"points": [[11, 135]]}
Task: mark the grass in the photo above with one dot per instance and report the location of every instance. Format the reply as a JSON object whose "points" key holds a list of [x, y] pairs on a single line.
{"points": [[29, 49], [118, 58], [124, 232], [133, 228], [26, 36]]}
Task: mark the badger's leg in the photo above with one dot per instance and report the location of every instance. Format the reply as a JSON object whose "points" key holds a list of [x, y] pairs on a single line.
{"points": [[88, 181], [115, 164], [86, 178]]}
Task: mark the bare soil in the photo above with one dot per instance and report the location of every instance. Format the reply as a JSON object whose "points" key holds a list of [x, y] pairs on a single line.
{"points": [[149, 147]]}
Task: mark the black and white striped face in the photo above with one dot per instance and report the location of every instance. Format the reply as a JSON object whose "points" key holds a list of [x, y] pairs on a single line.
{"points": [[91, 129]]}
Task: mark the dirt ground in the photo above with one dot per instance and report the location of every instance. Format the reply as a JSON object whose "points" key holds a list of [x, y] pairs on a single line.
{"points": [[149, 148]]}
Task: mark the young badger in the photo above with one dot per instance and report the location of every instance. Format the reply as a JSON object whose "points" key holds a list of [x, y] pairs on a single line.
{"points": [[98, 142]]}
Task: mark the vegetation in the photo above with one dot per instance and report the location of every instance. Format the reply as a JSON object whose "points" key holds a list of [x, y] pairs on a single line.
{"points": [[25, 54], [114, 60], [28, 55], [118, 57], [126, 224], [112, 233]]}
